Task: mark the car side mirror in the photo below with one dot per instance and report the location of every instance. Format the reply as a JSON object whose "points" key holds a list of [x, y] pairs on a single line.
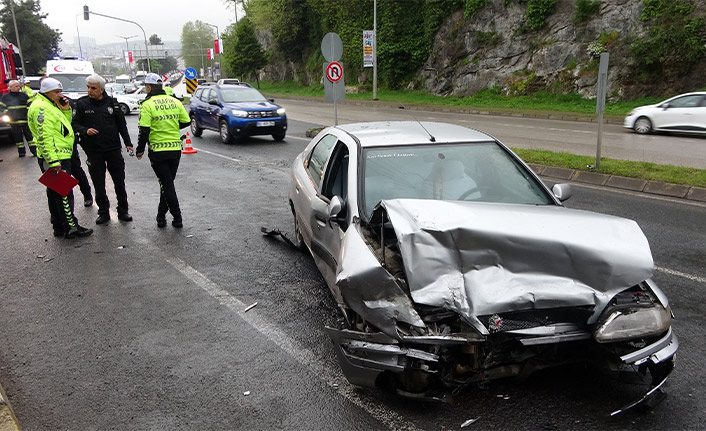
{"points": [[271, 100], [665, 106], [335, 208], [213, 102], [562, 191]]}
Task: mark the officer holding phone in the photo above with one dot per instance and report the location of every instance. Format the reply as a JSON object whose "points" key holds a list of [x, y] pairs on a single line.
{"points": [[50, 121]]}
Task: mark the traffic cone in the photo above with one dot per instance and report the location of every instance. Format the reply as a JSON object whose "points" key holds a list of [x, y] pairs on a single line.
{"points": [[188, 149]]}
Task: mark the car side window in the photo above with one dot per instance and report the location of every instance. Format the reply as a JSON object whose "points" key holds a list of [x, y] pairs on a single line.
{"points": [[686, 102], [318, 158], [213, 96], [198, 93], [336, 176]]}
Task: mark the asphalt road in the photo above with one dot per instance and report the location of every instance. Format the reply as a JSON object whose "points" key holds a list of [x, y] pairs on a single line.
{"points": [[141, 328], [544, 134]]}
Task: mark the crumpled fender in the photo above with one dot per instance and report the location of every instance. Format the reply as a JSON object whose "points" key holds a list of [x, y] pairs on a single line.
{"points": [[369, 289]]}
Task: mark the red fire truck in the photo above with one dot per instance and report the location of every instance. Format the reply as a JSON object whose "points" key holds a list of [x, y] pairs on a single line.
{"points": [[9, 61], [9, 57]]}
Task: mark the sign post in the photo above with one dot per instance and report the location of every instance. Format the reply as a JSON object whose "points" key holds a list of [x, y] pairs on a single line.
{"points": [[332, 49], [600, 101], [191, 83]]}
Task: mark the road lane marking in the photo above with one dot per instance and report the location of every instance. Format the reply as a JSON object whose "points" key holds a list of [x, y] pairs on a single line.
{"points": [[291, 347], [218, 155], [681, 274]]}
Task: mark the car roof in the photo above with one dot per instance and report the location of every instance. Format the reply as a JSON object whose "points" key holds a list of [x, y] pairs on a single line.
{"points": [[386, 133]]}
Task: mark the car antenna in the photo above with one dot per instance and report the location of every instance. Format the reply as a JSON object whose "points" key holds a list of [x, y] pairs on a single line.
{"points": [[431, 137]]}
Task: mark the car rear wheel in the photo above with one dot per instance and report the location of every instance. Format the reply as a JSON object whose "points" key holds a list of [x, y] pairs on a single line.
{"points": [[195, 129], [226, 136], [642, 125], [125, 109], [278, 136]]}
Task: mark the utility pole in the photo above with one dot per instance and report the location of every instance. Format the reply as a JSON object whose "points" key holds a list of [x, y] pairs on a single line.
{"points": [[17, 35]]}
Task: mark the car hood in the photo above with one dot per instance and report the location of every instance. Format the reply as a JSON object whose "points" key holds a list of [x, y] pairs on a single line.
{"points": [[479, 259], [252, 106]]}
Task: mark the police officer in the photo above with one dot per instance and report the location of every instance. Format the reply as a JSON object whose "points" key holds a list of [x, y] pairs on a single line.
{"points": [[100, 123], [28, 90], [15, 104], [50, 121], [161, 118]]}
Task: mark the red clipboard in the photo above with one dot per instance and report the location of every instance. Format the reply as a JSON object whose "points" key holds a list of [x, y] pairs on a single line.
{"points": [[61, 183]]}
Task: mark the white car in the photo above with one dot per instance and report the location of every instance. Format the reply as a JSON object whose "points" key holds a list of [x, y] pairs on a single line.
{"points": [[684, 113], [127, 104]]}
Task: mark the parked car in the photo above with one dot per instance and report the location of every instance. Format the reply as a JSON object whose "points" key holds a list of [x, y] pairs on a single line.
{"points": [[224, 81], [684, 113], [114, 88], [5, 129], [128, 104], [235, 111], [130, 87], [453, 263]]}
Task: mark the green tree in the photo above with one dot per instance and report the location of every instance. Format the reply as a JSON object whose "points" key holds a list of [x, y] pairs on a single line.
{"points": [[196, 38], [37, 40], [155, 40], [243, 52]]}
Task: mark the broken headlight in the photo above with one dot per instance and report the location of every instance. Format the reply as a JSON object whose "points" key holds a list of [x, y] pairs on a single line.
{"points": [[630, 323]]}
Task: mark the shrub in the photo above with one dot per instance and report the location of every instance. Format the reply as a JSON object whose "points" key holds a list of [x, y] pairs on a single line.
{"points": [[585, 9], [538, 11]]}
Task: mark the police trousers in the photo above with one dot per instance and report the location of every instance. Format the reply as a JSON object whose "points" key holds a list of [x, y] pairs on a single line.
{"points": [[165, 165], [97, 162]]}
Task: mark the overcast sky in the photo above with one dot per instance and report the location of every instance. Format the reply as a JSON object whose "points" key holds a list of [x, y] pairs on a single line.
{"points": [[165, 18]]}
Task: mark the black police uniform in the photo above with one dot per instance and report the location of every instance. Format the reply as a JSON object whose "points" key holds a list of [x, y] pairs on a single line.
{"points": [[104, 149]]}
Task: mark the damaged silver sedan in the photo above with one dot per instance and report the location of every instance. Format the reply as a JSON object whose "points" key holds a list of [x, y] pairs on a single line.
{"points": [[454, 264]]}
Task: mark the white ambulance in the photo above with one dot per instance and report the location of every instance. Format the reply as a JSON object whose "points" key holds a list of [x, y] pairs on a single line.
{"points": [[72, 73]]}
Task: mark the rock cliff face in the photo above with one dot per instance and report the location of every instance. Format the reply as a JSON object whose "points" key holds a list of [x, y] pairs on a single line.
{"points": [[494, 49], [491, 50]]}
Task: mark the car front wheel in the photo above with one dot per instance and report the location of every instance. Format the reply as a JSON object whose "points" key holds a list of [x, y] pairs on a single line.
{"points": [[226, 136], [642, 125], [298, 239], [278, 136], [124, 109], [195, 129]]}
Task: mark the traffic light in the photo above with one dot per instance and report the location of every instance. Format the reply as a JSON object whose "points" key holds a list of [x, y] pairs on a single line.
{"points": [[85, 13]]}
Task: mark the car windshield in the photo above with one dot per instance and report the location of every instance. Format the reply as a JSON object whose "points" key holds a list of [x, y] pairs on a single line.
{"points": [[237, 95], [72, 82], [482, 172]]}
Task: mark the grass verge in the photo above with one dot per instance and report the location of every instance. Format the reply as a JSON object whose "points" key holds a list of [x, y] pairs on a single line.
{"points": [[641, 170]]}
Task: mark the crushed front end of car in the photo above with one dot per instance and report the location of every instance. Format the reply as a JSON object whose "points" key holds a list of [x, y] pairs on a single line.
{"points": [[441, 295]]}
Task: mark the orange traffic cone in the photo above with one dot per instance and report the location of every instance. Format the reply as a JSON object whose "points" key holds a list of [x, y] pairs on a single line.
{"points": [[188, 149]]}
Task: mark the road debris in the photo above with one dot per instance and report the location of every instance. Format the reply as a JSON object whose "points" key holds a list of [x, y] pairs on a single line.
{"points": [[191, 235], [250, 307], [277, 232], [246, 393], [469, 422]]}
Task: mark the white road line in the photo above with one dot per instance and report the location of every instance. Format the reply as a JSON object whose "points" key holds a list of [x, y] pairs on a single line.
{"points": [[681, 274], [290, 346], [233, 159]]}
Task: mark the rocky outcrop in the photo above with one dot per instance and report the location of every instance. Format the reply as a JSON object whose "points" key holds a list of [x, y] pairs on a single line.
{"points": [[493, 49]]}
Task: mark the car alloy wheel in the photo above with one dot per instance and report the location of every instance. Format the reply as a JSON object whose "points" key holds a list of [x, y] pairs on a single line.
{"points": [[642, 125], [226, 137], [195, 129], [124, 109]]}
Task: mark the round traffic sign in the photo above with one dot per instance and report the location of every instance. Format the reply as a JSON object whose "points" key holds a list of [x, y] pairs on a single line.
{"points": [[332, 47], [334, 71], [190, 73]]}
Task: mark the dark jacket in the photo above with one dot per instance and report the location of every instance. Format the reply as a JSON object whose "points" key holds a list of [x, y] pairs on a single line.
{"points": [[105, 116], [15, 105]]}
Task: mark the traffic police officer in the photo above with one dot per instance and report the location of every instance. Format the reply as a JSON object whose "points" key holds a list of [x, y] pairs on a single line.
{"points": [[15, 104], [50, 121], [28, 90], [161, 118]]}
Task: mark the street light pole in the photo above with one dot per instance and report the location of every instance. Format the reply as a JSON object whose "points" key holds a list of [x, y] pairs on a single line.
{"points": [[147, 51]]}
